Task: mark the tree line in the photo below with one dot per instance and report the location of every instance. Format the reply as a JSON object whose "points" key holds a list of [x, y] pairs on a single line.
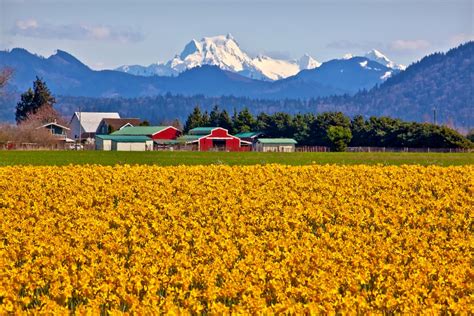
{"points": [[332, 129]]}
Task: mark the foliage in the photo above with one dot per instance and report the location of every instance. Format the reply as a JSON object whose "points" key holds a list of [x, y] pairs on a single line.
{"points": [[339, 137], [276, 239], [33, 100], [308, 129], [470, 135]]}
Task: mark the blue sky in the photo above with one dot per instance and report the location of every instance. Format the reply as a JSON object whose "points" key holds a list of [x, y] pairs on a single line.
{"points": [[107, 34]]}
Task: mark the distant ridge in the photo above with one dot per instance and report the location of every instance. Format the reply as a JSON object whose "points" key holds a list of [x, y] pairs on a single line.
{"points": [[441, 83], [67, 75], [224, 51]]}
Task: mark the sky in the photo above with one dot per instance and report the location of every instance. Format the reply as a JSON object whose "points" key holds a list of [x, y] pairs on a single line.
{"points": [[107, 34]]}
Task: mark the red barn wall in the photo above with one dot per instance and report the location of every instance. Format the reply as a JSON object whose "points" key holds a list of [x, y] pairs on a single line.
{"points": [[205, 144], [231, 144], [167, 133], [219, 132]]}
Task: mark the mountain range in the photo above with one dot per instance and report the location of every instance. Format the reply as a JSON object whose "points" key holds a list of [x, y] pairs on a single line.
{"points": [[440, 84], [438, 88], [66, 75], [225, 52]]}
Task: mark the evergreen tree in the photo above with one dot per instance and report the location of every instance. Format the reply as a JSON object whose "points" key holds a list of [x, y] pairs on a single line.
{"points": [[359, 131], [279, 125], [244, 122], [205, 120], [194, 119], [322, 123], [214, 116], [262, 122], [25, 106], [226, 122], [32, 100], [300, 127]]}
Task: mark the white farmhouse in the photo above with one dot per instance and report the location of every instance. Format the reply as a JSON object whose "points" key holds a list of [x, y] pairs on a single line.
{"points": [[84, 124]]}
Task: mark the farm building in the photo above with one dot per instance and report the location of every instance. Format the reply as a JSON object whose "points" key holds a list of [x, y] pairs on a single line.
{"points": [[250, 137], [164, 137], [110, 125], [275, 144], [84, 124], [154, 132], [212, 138], [58, 131], [123, 143]]}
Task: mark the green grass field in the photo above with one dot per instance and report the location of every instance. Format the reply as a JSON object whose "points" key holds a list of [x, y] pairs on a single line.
{"points": [[229, 158]]}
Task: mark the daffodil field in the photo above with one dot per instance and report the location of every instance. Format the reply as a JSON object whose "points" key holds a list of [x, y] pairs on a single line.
{"points": [[242, 239]]}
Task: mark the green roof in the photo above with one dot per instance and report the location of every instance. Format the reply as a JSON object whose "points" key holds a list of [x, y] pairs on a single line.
{"points": [[201, 130], [166, 141], [188, 138], [125, 138], [247, 134], [277, 141], [139, 130]]}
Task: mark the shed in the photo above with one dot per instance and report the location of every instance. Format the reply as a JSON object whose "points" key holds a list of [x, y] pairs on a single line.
{"points": [[123, 143], [212, 138], [276, 144]]}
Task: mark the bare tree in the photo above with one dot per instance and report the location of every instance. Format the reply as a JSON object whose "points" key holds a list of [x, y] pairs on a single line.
{"points": [[5, 75], [45, 114]]}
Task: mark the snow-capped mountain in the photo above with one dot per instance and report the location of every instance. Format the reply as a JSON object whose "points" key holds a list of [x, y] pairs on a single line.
{"points": [[377, 56], [151, 70], [224, 51]]}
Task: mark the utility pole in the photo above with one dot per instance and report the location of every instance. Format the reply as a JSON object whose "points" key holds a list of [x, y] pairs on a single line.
{"points": [[80, 132]]}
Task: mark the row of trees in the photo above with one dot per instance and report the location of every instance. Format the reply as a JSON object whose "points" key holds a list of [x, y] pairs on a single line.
{"points": [[332, 129]]}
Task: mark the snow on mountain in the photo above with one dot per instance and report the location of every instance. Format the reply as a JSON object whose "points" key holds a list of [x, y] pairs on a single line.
{"points": [[275, 69], [308, 62], [224, 51], [148, 71], [377, 56]]}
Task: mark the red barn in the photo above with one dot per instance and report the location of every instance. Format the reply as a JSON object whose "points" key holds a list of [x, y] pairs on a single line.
{"points": [[212, 138], [154, 132]]}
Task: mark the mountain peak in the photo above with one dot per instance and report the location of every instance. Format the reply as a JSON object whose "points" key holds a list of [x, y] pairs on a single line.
{"points": [[308, 62], [378, 56], [376, 53], [64, 58], [190, 48]]}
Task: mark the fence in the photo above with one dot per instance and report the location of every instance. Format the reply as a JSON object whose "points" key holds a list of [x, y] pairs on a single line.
{"points": [[319, 149], [409, 150]]}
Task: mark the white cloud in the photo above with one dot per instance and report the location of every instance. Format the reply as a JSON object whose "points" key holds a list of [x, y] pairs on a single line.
{"points": [[460, 39], [410, 45], [26, 24], [33, 28]]}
